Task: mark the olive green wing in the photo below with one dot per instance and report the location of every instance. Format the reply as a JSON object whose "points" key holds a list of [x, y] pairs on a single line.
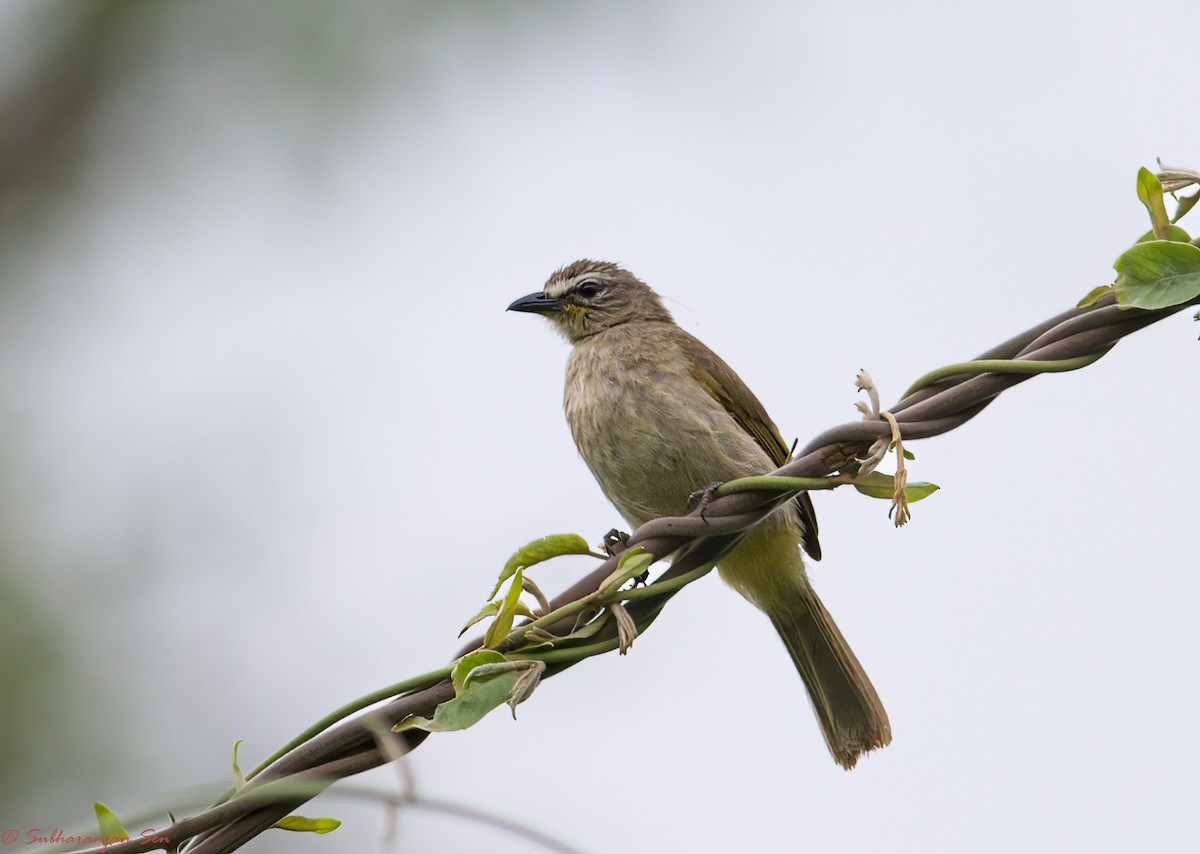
{"points": [[727, 388]]}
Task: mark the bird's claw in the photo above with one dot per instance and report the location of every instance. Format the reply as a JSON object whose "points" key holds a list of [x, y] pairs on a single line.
{"points": [[704, 494], [615, 542]]}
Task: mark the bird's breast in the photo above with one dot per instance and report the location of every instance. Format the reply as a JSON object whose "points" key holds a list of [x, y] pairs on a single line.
{"points": [[648, 431]]}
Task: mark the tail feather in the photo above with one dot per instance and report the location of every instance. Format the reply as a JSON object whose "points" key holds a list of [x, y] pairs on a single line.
{"points": [[851, 714]]}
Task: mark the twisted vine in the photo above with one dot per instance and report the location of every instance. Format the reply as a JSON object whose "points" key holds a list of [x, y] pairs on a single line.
{"points": [[597, 613]]}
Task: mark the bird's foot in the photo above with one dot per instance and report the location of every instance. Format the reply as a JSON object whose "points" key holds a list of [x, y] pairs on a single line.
{"points": [[704, 494], [616, 542]]}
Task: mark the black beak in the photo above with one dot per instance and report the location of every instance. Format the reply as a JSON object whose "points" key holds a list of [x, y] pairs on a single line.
{"points": [[536, 303]]}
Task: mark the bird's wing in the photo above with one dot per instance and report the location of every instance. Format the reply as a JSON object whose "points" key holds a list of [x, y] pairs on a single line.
{"points": [[727, 388]]}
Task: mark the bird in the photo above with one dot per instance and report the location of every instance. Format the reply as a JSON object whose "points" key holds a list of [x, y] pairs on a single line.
{"points": [[657, 415]]}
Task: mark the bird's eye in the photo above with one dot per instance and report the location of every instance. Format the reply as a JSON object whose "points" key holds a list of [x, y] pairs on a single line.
{"points": [[588, 289]]}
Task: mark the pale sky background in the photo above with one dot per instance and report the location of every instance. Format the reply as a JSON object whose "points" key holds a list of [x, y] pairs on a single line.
{"points": [[269, 434]]}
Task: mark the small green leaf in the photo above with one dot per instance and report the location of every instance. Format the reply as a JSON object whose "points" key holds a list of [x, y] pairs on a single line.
{"points": [[503, 623], [522, 610], [464, 666], [1150, 192], [1158, 274], [238, 779], [539, 550], [300, 824], [880, 485], [1174, 233], [920, 489], [876, 485], [111, 829], [1094, 296], [636, 560], [1185, 204], [909, 455], [473, 697], [491, 609], [634, 563]]}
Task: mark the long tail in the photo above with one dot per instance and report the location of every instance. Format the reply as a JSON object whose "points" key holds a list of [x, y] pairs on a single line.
{"points": [[851, 714]]}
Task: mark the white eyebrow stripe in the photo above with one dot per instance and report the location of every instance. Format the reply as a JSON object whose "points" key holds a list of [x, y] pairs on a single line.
{"points": [[558, 287]]}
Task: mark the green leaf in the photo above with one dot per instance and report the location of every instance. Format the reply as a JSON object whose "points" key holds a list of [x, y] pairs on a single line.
{"points": [[1094, 296], [1185, 204], [522, 610], [1158, 274], [877, 485], [1150, 192], [464, 666], [540, 550], [473, 698], [111, 829], [238, 779], [300, 824], [633, 563], [880, 485], [635, 560], [920, 489], [1174, 233], [528, 673], [491, 609], [503, 623]]}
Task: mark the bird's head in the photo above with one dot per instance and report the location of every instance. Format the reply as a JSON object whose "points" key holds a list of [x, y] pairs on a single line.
{"points": [[587, 297]]}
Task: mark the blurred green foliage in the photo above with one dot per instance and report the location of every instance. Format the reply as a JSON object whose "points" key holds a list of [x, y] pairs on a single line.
{"points": [[32, 670], [71, 71]]}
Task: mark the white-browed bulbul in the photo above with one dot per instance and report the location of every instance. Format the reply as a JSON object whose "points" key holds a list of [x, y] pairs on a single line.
{"points": [[657, 415]]}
